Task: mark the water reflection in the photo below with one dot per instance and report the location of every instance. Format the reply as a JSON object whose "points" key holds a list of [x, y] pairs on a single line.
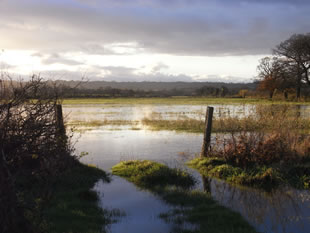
{"points": [[281, 211], [142, 208]]}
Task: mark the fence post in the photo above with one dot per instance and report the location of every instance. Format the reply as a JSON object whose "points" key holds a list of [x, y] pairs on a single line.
{"points": [[60, 127], [207, 132]]}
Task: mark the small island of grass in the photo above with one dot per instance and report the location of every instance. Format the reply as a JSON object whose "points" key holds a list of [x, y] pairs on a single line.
{"points": [[260, 176]]}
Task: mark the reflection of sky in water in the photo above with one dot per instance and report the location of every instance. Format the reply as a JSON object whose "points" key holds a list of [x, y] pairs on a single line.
{"points": [[141, 208], [138, 112], [106, 148], [282, 211]]}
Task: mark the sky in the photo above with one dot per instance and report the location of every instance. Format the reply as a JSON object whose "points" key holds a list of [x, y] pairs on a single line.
{"points": [[145, 40]]}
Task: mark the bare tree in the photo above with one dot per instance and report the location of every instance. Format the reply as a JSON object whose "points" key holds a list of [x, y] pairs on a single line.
{"points": [[275, 74], [296, 50]]}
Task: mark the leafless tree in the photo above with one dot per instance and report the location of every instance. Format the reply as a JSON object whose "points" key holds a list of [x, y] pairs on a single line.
{"points": [[296, 50]]}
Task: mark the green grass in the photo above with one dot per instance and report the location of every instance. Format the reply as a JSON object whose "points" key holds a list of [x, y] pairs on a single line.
{"points": [[189, 206], [265, 177], [151, 174], [176, 101], [73, 206]]}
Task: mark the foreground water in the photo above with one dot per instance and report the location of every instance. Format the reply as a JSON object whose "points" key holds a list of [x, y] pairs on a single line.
{"points": [[284, 210]]}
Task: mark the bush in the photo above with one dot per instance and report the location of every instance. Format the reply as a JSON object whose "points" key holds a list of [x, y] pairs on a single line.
{"points": [[32, 147]]}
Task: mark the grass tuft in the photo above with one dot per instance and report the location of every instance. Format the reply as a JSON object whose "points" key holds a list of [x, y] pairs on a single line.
{"points": [[265, 177], [149, 174]]}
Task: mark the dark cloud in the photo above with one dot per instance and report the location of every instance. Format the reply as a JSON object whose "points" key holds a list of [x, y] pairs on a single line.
{"points": [[212, 28], [189, 2]]}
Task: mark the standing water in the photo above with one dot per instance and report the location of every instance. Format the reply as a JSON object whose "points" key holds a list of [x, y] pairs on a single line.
{"points": [[282, 211]]}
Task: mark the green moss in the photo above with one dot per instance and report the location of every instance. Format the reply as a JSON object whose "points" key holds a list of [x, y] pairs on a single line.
{"points": [[189, 206], [73, 206]]}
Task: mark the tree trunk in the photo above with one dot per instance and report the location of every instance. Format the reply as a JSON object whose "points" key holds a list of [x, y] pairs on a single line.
{"points": [[298, 89], [298, 84], [285, 94], [270, 94]]}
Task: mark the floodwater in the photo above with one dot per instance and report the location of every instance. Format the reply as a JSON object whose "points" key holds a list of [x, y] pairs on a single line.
{"points": [[282, 211]]}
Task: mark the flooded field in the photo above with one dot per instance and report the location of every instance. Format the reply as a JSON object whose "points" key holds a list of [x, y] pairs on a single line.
{"points": [[168, 112], [283, 210]]}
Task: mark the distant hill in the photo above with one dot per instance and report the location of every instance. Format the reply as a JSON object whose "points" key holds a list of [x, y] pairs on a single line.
{"points": [[156, 86]]}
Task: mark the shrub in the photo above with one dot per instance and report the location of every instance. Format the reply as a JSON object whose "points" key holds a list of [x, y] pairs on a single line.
{"points": [[31, 148]]}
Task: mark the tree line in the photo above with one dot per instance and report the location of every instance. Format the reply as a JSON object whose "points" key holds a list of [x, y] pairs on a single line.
{"points": [[109, 92]]}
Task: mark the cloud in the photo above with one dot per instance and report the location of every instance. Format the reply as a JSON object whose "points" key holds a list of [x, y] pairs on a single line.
{"points": [[37, 54], [174, 3], [224, 79], [6, 66], [70, 75], [58, 59], [159, 77], [179, 27], [126, 74], [159, 67]]}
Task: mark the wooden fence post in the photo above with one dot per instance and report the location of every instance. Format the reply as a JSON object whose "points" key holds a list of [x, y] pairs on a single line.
{"points": [[207, 132], [60, 127]]}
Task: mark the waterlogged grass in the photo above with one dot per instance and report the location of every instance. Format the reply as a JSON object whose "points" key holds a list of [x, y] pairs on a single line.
{"points": [[98, 123], [197, 126], [150, 174], [264, 119], [199, 209], [189, 206], [176, 101], [265, 177], [73, 206]]}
